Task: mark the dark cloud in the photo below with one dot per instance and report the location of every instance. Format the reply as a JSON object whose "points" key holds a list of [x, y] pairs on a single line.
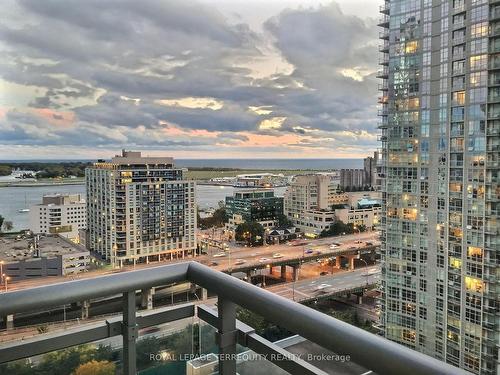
{"points": [[110, 62]]}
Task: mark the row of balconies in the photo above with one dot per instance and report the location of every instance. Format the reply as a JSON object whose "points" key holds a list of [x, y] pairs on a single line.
{"points": [[384, 59], [494, 14], [384, 21], [385, 8], [383, 73], [384, 47], [384, 34]]}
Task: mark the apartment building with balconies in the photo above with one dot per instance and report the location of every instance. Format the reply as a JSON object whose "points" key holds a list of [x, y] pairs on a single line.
{"points": [[140, 209], [440, 121]]}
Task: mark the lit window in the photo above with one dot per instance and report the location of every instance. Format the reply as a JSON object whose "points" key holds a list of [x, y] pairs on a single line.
{"points": [[473, 284]]}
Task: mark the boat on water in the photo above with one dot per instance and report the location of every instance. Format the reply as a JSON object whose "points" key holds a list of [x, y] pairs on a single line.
{"points": [[24, 210]]}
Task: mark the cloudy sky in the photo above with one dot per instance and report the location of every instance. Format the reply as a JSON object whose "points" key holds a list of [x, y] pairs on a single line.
{"points": [[192, 79]]}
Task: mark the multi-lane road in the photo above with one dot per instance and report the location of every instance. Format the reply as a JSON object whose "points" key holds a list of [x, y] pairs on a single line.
{"points": [[248, 256], [259, 256], [323, 286]]}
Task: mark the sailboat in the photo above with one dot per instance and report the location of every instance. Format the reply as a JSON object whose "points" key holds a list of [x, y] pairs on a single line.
{"points": [[24, 210]]}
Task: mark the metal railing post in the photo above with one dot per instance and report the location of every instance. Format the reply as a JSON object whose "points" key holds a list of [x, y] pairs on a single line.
{"points": [[227, 337], [129, 333]]}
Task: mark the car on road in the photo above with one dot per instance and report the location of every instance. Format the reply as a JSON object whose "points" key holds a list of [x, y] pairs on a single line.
{"points": [[149, 330], [333, 246], [213, 264], [322, 286], [318, 252], [352, 248], [309, 251], [263, 260], [323, 273], [297, 243], [277, 255], [240, 261], [219, 255]]}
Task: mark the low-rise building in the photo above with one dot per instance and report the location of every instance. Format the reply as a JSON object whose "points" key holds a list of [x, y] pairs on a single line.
{"points": [[63, 214], [261, 180], [313, 204], [26, 257], [253, 204], [308, 202], [281, 234]]}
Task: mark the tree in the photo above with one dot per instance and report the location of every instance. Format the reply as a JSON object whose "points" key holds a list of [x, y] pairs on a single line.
{"points": [[218, 219], [7, 226], [337, 228], [362, 227], [5, 170], [183, 342], [144, 348], [1, 222], [252, 232], [96, 368], [264, 328], [284, 221], [63, 362], [21, 367]]}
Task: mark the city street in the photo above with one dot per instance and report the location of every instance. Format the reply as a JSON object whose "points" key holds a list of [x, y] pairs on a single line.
{"points": [[250, 256], [255, 255], [324, 285]]}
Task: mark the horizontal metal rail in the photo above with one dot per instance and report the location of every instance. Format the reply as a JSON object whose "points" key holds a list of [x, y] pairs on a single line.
{"points": [[369, 350], [366, 349], [82, 290], [249, 339], [48, 342]]}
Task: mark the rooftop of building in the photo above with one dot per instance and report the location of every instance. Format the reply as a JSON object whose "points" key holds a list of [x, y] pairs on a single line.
{"points": [[59, 199], [130, 158], [253, 193], [368, 202], [14, 248]]}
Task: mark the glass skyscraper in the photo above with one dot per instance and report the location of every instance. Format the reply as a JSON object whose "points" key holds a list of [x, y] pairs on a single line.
{"points": [[440, 144]]}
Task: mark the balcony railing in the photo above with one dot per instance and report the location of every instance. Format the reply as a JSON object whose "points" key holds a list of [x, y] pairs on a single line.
{"points": [[371, 351]]}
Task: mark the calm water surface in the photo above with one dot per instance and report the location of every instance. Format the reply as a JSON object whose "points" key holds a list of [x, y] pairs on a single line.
{"points": [[12, 199]]}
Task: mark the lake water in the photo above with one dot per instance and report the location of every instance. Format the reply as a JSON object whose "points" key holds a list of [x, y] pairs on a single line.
{"points": [[12, 199], [260, 164]]}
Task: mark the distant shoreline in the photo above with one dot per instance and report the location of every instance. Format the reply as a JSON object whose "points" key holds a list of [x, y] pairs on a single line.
{"points": [[38, 184]]}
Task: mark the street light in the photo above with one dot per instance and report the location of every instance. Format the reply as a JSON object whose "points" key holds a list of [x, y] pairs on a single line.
{"points": [[293, 284], [6, 278], [264, 276], [366, 264]]}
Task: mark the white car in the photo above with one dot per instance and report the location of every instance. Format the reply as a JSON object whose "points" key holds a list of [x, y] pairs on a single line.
{"points": [[333, 246], [277, 255], [322, 286], [219, 255], [240, 261]]}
